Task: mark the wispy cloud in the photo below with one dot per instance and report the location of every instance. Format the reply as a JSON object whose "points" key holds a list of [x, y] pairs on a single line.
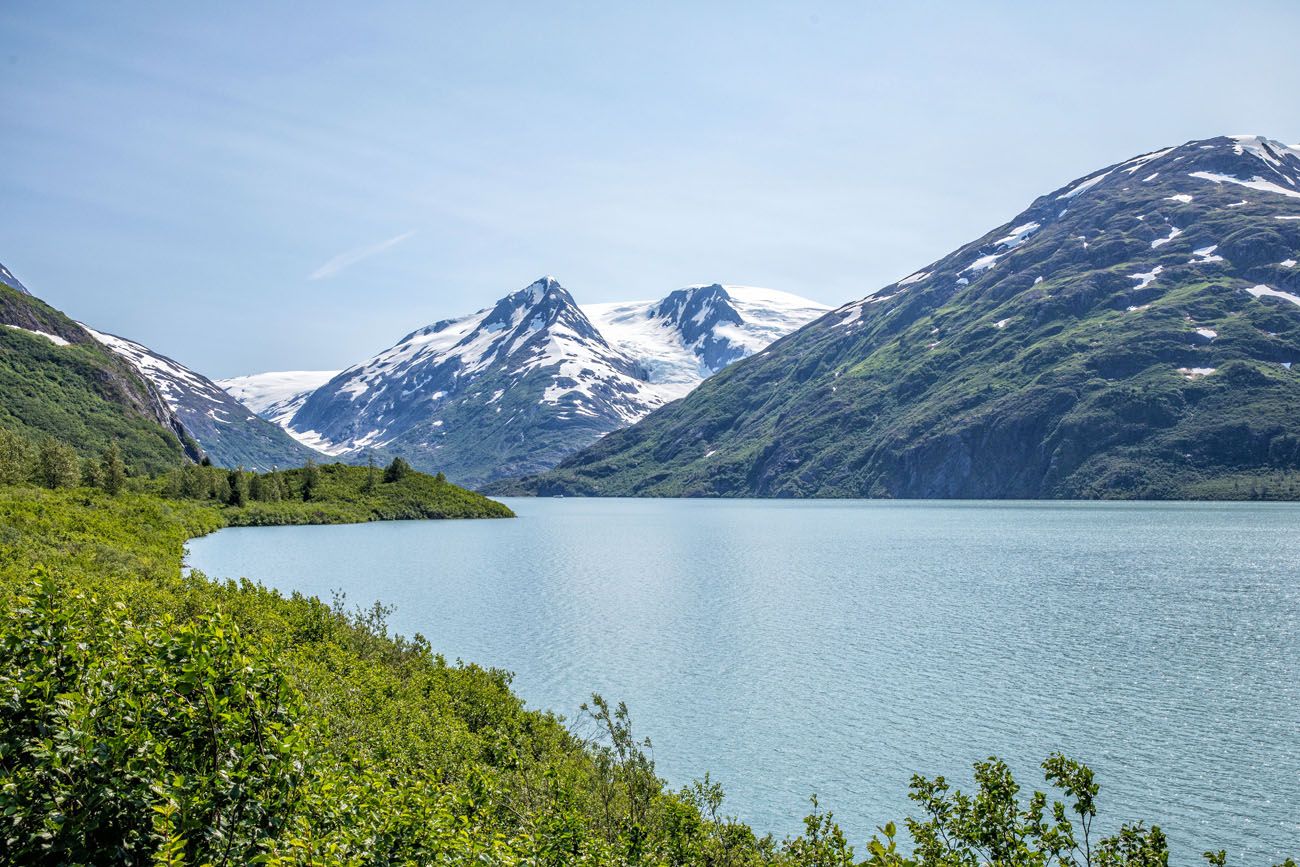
{"points": [[352, 257]]}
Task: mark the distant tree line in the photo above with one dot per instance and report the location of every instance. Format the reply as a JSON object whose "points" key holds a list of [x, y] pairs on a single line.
{"points": [[51, 463]]}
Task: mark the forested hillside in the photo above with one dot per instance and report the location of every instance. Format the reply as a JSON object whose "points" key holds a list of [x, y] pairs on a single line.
{"points": [[56, 380]]}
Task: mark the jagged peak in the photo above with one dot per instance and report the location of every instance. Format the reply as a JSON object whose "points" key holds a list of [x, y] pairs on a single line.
{"points": [[7, 277], [699, 304]]}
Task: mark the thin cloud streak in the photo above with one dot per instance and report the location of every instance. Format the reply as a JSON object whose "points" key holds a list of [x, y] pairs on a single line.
{"points": [[352, 257]]}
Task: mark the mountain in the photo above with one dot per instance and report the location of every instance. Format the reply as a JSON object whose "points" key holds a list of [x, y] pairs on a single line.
{"points": [[56, 380], [695, 332], [276, 396], [516, 387], [1131, 334], [7, 277], [231, 435]]}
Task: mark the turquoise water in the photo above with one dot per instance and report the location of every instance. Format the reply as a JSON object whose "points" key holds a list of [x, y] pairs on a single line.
{"points": [[837, 647]]}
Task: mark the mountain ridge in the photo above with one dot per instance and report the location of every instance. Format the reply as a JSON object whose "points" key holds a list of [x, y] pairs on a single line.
{"points": [[1129, 334], [230, 434], [516, 386]]}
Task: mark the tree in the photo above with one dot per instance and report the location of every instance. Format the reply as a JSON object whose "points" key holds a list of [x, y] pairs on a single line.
{"points": [[15, 458], [237, 480], [397, 470], [113, 470], [57, 465], [220, 487], [441, 478], [369, 486], [194, 483], [310, 479], [992, 826], [90, 475]]}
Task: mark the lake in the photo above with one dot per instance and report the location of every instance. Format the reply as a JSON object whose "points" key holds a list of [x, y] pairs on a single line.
{"points": [[838, 647]]}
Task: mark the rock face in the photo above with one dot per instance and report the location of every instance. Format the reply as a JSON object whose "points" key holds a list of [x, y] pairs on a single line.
{"points": [[230, 434], [516, 387], [57, 380], [1131, 334]]}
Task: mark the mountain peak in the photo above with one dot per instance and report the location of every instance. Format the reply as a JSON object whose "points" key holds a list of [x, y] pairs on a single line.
{"points": [[1135, 333], [7, 277]]}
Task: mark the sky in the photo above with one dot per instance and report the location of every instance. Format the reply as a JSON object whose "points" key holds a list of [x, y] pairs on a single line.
{"points": [[273, 186]]}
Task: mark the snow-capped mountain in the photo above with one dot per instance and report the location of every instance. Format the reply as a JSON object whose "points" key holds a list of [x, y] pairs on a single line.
{"points": [[516, 387], [695, 332], [225, 428], [1133, 333], [278, 395]]}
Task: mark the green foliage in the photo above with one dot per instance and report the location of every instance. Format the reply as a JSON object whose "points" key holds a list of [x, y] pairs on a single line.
{"points": [[397, 470], [172, 737], [15, 458], [113, 470], [309, 481], [57, 465]]}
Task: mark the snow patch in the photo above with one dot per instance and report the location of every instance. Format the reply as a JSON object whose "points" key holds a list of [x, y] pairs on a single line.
{"points": [[53, 338], [1261, 291], [1146, 279], [1205, 255], [1174, 232], [1255, 183]]}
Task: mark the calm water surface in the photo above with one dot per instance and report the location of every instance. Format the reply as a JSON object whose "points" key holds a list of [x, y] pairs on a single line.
{"points": [[838, 647]]}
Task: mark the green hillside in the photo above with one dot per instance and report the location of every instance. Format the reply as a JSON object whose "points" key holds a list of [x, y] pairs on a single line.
{"points": [[79, 392]]}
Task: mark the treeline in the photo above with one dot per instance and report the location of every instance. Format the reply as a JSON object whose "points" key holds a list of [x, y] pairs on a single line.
{"points": [[53, 464], [239, 487]]}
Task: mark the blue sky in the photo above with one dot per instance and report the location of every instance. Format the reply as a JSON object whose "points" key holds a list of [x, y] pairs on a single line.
{"points": [[251, 186]]}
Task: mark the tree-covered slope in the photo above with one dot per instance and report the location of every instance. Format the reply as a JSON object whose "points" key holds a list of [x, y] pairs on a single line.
{"points": [[56, 380], [1129, 335]]}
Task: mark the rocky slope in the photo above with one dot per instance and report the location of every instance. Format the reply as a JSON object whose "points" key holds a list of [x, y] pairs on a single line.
{"points": [[1131, 334], [228, 431], [56, 380], [516, 387]]}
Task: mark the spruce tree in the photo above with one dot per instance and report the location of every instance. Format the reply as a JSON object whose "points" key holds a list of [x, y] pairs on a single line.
{"points": [[113, 470], [310, 479], [369, 486], [237, 480], [397, 470]]}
